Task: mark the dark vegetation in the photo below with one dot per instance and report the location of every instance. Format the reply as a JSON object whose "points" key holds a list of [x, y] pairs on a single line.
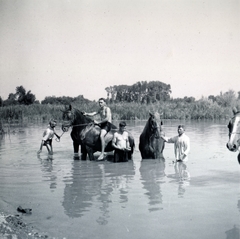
{"points": [[127, 103]]}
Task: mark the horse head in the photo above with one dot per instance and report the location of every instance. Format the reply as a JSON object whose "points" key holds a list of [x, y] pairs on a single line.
{"points": [[67, 117], [153, 124], [73, 117], [234, 132]]}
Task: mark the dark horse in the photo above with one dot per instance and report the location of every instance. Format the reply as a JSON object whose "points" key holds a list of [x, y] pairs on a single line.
{"points": [[151, 144], [87, 134], [234, 133]]}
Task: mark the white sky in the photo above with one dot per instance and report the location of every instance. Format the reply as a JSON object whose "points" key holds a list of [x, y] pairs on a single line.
{"points": [[80, 47]]}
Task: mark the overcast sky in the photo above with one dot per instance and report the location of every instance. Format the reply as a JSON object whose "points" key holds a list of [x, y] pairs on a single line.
{"points": [[75, 47]]}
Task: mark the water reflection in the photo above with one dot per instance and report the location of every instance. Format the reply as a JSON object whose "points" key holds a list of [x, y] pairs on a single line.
{"points": [[105, 193], [233, 233], [48, 172], [152, 175], [99, 184], [238, 203], [79, 189], [181, 176]]}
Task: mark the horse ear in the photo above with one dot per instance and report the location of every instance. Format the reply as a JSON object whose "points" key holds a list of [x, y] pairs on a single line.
{"points": [[150, 113]]}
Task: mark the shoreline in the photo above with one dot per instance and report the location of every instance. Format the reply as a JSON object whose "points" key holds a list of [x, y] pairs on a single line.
{"points": [[14, 226]]}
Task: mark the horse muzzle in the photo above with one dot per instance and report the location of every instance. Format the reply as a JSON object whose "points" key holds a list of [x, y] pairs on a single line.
{"points": [[65, 127], [232, 147]]}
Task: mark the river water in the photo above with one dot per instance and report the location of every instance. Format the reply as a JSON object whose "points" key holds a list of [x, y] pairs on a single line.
{"points": [[138, 199]]}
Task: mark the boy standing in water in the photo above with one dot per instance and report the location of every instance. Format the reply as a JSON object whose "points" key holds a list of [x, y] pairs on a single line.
{"points": [[48, 136], [105, 123], [120, 143]]}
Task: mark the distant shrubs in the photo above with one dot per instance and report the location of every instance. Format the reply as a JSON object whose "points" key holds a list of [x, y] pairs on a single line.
{"points": [[201, 109]]}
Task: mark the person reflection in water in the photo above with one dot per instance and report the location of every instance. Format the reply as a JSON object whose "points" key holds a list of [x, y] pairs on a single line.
{"points": [[181, 144], [183, 174], [120, 143], [48, 135]]}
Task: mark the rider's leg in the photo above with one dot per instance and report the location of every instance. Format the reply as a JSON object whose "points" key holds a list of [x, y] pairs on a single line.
{"points": [[102, 135]]}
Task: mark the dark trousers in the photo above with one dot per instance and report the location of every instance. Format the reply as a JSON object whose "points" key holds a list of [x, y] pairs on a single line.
{"points": [[120, 156]]}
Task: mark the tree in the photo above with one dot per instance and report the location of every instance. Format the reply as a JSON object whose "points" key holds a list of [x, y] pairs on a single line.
{"points": [[141, 92], [24, 98], [226, 99], [20, 94]]}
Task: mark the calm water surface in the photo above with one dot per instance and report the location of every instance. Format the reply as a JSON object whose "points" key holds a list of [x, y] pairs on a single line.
{"points": [[138, 199]]}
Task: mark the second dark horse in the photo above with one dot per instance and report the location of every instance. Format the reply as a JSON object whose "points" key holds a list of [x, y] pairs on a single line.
{"points": [[151, 144], [86, 134]]}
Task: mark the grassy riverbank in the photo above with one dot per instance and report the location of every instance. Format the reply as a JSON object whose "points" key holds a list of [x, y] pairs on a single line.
{"points": [[202, 109]]}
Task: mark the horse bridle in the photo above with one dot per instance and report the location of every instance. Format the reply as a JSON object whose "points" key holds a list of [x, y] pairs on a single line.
{"points": [[72, 120]]}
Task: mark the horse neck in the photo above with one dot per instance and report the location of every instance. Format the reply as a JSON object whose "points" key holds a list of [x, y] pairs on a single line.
{"points": [[80, 119], [147, 130]]}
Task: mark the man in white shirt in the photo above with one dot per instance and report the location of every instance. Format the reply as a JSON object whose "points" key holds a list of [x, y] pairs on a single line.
{"points": [[181, 144]]}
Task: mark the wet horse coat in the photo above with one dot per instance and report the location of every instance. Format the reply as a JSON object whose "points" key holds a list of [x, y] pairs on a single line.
{"points": [[86, 134], [151, 145]]}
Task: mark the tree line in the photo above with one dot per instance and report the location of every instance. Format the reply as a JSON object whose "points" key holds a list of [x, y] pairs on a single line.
{"points": [[127, 102], [141, 92]]}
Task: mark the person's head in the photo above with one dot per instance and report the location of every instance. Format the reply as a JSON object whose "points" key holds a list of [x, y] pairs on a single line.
{"points": [[122, 125], [53, 123], [181, 129], [102, 102]]}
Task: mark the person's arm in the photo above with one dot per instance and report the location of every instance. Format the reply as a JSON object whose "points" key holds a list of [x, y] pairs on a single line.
{"points": [[41, 145], [164, 138], [46, 135], [56, 134], [128, 148], [168, 140], [187, 146], [91, 114]]}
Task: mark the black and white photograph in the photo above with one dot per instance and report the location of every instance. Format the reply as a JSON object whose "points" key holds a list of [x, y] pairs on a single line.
{"points": [[119, 119]]}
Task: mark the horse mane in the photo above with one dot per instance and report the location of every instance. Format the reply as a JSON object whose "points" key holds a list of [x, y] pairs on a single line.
{"points": [[80, 118], [147, 126]]}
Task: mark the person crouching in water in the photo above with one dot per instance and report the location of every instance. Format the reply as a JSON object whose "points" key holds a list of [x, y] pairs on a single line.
{"points": [[120, 143], [48, 135]]}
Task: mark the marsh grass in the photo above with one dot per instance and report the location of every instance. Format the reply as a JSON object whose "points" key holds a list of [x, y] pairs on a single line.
{"points": [[202, 109]]}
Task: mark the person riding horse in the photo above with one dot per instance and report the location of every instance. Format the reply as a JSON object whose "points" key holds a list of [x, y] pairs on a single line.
{"points": [[85, 134], [105, 123]]}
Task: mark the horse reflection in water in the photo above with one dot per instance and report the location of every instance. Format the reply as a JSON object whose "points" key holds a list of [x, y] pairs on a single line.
{"points": [[90, 189], [87, 134], [151, 145], [234, 133], [152, 175]]}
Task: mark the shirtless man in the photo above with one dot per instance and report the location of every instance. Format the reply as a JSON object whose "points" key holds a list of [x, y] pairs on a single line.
{"points": [[121, 144], [105, 123]]}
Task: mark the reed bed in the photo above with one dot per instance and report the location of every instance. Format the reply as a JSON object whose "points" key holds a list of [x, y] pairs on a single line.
{"points": [[202, 109]]}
